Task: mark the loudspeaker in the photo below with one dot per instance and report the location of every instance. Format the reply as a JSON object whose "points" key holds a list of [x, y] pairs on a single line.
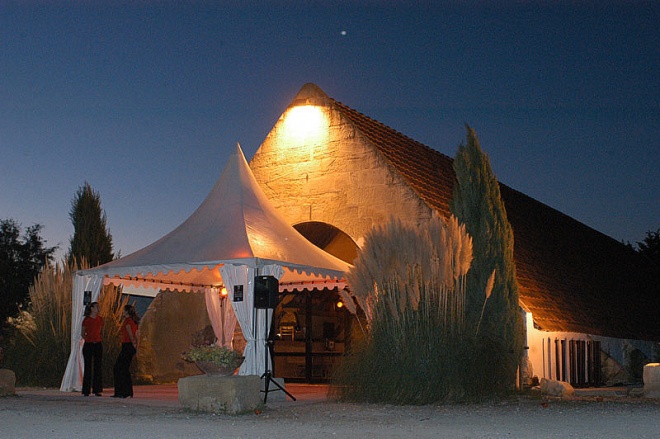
{"points": [[266, 292]]}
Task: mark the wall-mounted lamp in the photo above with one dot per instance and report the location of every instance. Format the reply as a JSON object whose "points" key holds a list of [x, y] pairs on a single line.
{"points": [[306, 124]]}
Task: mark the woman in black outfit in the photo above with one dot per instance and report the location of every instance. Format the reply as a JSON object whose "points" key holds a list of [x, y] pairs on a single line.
{"points": [[129, 339]]}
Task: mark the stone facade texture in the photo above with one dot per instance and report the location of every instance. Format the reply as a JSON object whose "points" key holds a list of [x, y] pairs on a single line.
{"points": [[338, 179], [7, 382], [166, 331], [220, 394]]}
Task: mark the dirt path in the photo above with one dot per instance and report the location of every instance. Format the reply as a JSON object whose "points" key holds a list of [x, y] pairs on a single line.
{"points": [[58, 415]]}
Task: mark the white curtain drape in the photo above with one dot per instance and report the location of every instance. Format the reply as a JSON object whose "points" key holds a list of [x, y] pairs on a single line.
{"points": [[229, 324], [72, 381], [221, 315], [253, 321], [214, 311]]}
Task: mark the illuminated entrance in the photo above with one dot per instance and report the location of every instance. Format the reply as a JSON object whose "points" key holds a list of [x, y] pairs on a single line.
{"points": [[311, 331]]}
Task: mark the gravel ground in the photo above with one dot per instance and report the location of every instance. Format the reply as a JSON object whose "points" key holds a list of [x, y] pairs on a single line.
{"points": [[37, 414]]}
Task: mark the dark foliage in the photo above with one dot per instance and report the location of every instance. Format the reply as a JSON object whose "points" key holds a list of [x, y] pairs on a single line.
{"points": [[650, 247], [91, 239], [21, 259], [477, 203]]}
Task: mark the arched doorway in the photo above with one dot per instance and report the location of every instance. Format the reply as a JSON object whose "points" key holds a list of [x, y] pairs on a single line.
{"points": [[311, 327], [330, 239]]}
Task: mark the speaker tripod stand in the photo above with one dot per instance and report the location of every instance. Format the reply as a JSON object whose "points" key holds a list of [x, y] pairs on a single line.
{"points": [[268, 375], [266, 297]]}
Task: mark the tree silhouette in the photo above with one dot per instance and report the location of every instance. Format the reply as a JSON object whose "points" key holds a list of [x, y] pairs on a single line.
{"points": [[21, 260], [650, 247], [477, 203], [91, 240]]}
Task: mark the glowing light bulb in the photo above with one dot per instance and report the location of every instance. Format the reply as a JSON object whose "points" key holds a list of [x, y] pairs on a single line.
{"points": [[306, 124]]}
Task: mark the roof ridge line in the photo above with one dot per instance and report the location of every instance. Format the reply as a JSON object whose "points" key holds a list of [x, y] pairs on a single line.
{"points": [[385, 126]]}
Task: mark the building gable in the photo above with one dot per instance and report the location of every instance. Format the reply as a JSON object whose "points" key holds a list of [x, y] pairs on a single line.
{"points": [[572, 278]]}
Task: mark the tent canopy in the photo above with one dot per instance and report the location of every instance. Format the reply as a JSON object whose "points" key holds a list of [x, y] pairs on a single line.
{"points": [[234, 235], [235, 224]]}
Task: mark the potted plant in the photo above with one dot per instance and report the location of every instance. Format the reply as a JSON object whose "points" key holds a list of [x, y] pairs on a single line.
{"points": [[214, 359]]}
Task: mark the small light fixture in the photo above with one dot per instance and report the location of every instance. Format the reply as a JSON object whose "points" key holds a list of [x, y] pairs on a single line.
{"points": [[223, 292], [340, 304]]}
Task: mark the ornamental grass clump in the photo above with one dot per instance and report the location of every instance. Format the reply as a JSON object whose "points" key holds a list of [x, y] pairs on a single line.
{"points": [[410, 282], [40, 337]]}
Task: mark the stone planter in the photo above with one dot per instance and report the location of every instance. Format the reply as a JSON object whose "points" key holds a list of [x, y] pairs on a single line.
{"points": [[652, 380], [7, 382], [210, 368], [220, 394]]}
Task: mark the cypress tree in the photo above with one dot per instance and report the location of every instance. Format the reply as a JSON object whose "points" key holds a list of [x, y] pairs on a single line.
{"points": [[477, 203], [91, 240]]}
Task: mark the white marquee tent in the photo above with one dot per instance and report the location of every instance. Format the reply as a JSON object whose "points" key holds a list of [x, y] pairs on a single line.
{"points": [[233, 236]]}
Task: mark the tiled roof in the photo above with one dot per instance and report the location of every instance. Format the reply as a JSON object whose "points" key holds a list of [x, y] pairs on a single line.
{"points": [[571, 277]]}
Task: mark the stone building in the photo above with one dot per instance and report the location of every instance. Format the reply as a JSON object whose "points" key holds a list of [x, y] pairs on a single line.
{"points": [[590, 302]]}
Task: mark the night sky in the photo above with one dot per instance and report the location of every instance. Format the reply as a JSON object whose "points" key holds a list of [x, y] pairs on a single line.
{"points": [[145, 100]]}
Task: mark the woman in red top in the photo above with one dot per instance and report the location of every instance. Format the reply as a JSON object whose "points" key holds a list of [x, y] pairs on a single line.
{"points": [[92, 350], [122, 373]]}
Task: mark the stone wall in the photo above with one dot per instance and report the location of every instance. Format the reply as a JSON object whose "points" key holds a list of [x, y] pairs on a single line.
{"points": [[335, 177], [166, 331], [7, 382]]}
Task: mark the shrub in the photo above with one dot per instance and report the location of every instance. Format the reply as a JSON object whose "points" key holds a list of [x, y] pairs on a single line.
{"points": [[40, 340], [218, 355], [39, 343], [410, 283]]}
